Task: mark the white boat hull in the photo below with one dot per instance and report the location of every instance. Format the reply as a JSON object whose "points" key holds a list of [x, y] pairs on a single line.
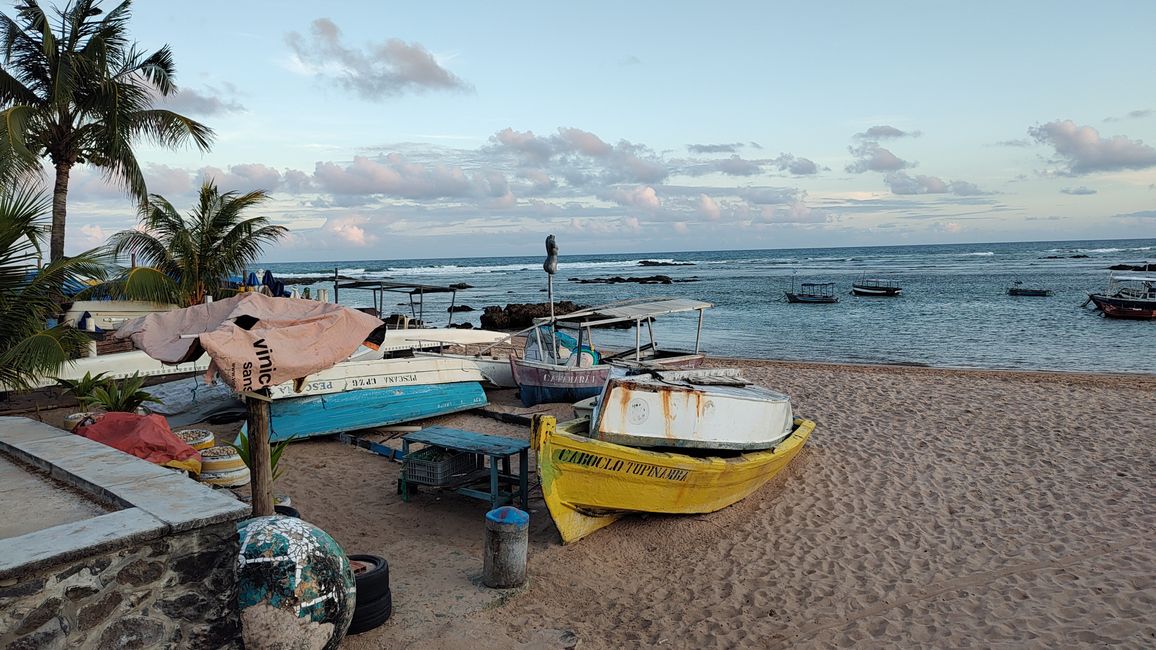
{"points": [[118, 366], [645, 411], [109, 315], [495, 370], [382, 373]]}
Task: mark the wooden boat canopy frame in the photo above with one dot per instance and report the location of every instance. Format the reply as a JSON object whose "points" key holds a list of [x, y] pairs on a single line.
{"points": [[634, 311], [381, 287]]}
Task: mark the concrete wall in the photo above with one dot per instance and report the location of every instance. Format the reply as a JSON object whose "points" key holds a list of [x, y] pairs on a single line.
{"points": [[178, 591], [157, 571]]}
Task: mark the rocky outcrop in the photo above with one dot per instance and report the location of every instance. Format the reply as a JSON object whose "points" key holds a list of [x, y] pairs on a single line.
{"points": [[457, 308], [1133, 267], [657, 263], [653, 279], [516, 316]]}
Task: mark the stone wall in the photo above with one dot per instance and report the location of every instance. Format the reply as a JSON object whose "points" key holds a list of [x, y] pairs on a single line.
{"points": [[178, 591]]}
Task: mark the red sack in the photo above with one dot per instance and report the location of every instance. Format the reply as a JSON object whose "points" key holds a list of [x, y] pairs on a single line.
{"points": [[144, 436]]}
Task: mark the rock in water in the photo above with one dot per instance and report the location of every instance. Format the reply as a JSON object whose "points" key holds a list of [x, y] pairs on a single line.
{"points": [[295, 587]]}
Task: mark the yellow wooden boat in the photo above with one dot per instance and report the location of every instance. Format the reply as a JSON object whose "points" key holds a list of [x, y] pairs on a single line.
{"points": [[588, 484]]}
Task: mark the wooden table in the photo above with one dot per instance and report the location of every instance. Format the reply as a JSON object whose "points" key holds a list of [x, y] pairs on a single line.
{"points": [[494, 448]]}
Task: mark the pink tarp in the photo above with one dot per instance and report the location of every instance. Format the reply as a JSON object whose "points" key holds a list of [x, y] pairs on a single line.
{"points": [[143, 436], [253, 340]]}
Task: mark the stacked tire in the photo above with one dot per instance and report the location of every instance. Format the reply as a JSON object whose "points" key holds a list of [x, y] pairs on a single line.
{"points": [[223, 466], [199, 439], [374, 599]]}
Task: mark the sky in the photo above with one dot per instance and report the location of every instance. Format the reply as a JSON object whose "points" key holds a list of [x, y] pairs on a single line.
{"points": [[418, 130]]}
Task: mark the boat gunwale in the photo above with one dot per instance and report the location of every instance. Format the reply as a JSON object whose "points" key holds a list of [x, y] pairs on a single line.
{"points": [[798, 436]]}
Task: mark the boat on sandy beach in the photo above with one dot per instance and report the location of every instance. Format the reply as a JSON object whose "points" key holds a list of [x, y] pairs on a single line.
{"points": [[822, 293], [320, 415], [691, 409], [865, 286], [108, 315], [588, 484], [561, 367], [1127, 296]]}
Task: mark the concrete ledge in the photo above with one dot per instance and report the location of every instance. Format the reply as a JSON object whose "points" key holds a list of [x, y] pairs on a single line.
{"points": [[156, 501], [65, 542]]}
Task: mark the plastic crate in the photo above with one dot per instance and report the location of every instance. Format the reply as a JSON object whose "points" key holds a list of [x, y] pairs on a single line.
{"points": [[422, 468]]}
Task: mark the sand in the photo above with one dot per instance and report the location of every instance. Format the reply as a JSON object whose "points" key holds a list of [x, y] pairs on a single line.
{"points": [[930, 508]]}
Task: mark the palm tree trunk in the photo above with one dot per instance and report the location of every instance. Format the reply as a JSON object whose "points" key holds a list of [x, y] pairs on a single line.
{"points": [[59, 212]]}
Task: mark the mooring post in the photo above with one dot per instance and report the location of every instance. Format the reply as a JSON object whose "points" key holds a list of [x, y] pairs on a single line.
{"points": [[507, 537]]}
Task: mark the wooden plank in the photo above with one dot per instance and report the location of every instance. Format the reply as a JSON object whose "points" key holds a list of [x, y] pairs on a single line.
{"points": [[470, 441]]}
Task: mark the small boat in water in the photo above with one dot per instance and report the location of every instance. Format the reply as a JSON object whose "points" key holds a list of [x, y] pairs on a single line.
{"points": [[690, 409], [1018, 289], [1127, 296], [865, 286], [814, 293], [589, 484]]}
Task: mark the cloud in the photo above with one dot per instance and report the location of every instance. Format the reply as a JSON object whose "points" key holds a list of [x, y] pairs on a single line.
{"points": [[92, 236], [949, 227], [243, 178], [381, 70], [1131, 115], [884, 132], [714, 148], [1143, 214], [630, 60], [395, 176], [769, 196], [871, 157], [736, 166], [580, 156], [1014, 143], [1083, 151], [708, 207], [208, 102], [797, 166], [1078, 191], [796, 213], [643, 197], [903, 183], [167, 181]]}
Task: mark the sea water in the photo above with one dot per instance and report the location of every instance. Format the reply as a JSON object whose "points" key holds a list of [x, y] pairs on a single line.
{"points": [[954, 310]]}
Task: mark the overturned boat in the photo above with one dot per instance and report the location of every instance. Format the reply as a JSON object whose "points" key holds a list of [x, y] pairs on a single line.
{"points": [[691, 409], [588, 484]]}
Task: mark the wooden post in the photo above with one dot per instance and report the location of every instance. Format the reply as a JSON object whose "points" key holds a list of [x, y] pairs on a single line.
{"points": [[507, 537], [261, 469]]}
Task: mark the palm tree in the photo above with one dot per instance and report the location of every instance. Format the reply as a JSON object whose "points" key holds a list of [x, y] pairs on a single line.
{"points": [[75, 90], [187, 258], [29, 297]]}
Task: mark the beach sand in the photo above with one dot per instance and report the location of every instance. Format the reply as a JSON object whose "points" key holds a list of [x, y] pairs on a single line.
{"points": [[930, 508]]}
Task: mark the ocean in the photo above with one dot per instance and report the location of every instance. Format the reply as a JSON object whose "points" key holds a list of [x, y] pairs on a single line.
{"points": [[954, 311]]}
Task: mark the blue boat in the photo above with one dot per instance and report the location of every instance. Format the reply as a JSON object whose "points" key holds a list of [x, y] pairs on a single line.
{"points": [[320, 415]]}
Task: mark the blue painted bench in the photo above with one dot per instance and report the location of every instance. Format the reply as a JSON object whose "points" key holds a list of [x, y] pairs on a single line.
{"points": [[495, 449]]}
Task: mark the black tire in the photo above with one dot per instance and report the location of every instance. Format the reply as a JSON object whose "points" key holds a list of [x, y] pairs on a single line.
{"points": [[372, 614], [374, 583], [288, 511]]}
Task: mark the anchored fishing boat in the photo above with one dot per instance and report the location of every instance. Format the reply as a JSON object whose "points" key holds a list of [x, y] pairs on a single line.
{"points": [[1018, 289], [1127, 296], [690, 409], [865, 286], [561, 364], [588, 484], [813, 292]]}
